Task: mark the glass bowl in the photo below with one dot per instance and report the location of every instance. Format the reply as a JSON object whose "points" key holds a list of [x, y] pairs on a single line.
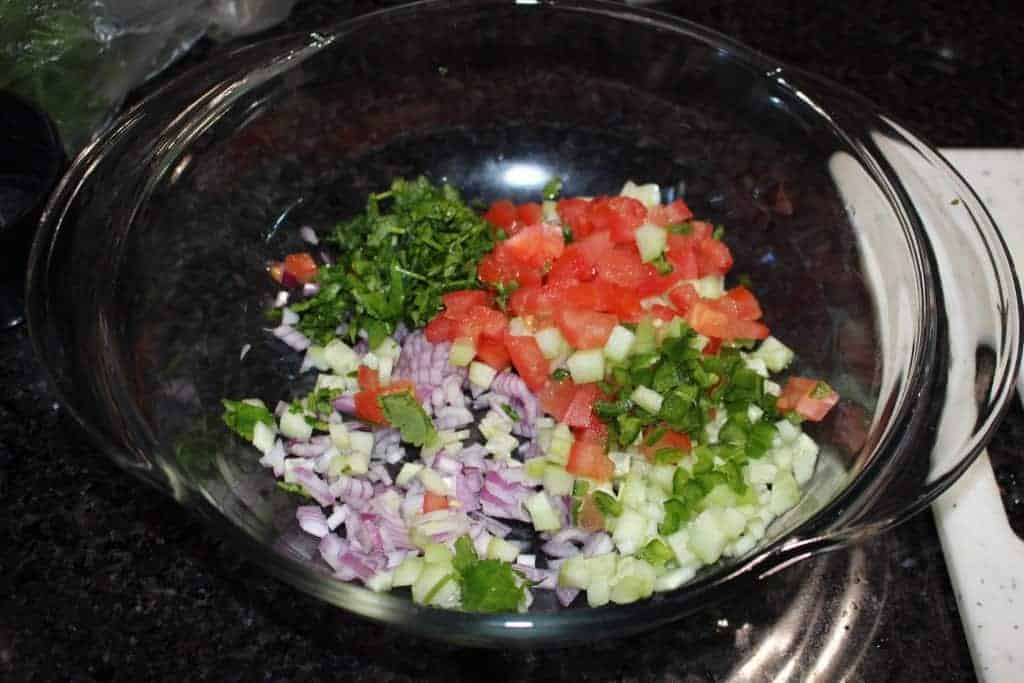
{"points": [[873, 258]]}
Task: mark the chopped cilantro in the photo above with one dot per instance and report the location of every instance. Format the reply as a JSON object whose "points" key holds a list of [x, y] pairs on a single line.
{"points": [[411, 244], [656, 553], [500, 235], [511, 412], [560, 374], [681, 228], [718, 233], [487, 585], [662, 266], [821, 391], [406, 414], [503, 291], [552, 188], [294, 489], [607, 503], [241, 417]]}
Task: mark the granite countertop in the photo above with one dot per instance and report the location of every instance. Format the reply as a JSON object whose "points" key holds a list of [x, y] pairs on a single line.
{"points": [[102, 579]]}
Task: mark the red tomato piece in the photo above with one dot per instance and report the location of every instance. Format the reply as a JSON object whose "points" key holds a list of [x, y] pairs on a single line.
{"points": [[743, 302], [683, 256], [657, 284], [714, 323], [536, 245], [663, 312], [529, 213], [367, 407], [603, 297], [580, 411], [502, 214], [684, 297], [575, 213], [584, 329], [369, 379], [555, 397], [670, 439], [589, 459], [464, 299], [798, 395], [500, 266], [482, 321], [434, 501], [622, 266], [669, 214], [594, 246], [711, 348], [528, 361], [300, 266], [573, 264], [494, 353], [713, 258], [620, 216], [596, 431], [441, 328]]}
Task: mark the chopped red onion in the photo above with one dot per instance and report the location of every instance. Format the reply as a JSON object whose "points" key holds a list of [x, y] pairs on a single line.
{"points": [[309, 449], [291, 337], [572, 534], [314, 485], [564, 549], [352, 489], [289, 317], [599, 543], [566, 595], [309, 235], [275, 458], [337, 517], [311, 520], [310, 289], [493, 526], [346, 403]]}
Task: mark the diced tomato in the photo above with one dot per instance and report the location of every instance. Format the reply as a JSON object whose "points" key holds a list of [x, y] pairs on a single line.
{"points": [[593, 247], [538, 301], [684, 297], [367, 407], [575, 213], [579, 412], [573, 264], [714, 323], [369, 379], [712, 347], [528, 361], [584, 329], [683, 256], [500, 266], [655, 284], [502, 214], [603, 297], [441, 328], [529, 213], [670, 439], [536, 245], [494, 353], [596, 431], [434, 501], [798, 395], [482, 321], [464, 299], [555, 397], [589, 459], [622, 266], [663, 312], [669, 214], [713, 258], [589, 517], [620, 216], [738, 303], [300, 266]]}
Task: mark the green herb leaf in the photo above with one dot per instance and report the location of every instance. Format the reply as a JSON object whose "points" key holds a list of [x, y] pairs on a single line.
{"points": [[295, 489], [465, 554], [560, 374], [241, 417], [552, 188], [405, 413], [510, 411], [656, 553], [821, 391], [607, 503], [491, 586]]}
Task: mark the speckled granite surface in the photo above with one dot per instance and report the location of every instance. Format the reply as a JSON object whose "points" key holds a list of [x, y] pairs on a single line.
{"points": [[103, 580]]}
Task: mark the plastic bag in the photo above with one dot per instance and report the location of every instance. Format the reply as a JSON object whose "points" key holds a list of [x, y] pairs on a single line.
{"points": [[78, 58]]}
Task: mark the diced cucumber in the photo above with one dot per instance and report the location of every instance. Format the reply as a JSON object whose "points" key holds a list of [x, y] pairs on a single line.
{"points": [[408, 473], [557, 481], [340, 357], [673, 329], [598, 593], [673, 579], [517, 327], [622, 462], [634, 580], [754, 413], [436, 553], [462, 353], [481, 374], [436, 585], [381, 582], [551, 342], [648, 399], [679, 542], [549, 210], [733, 522], [662, 475], [339, 436], [315, 358], [785, 493], [360, 442], [633, 492], [325, 381], [574, 573], [760, 472], [805, 454], [263, 437], [294, 426], [500, 549], [630, 531], [651, 241], [561, 443], [776, 355], [771, 388], [602, 566], [433, 482], [619, 344], [709, 286], [586, 366], [707, 540], [644, 340], [356, 462], [649, 194], [370, 360], [542, 513], [406, 573], [388, 348]]}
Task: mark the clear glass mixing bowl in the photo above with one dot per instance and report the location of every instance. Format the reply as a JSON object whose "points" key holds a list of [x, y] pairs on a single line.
{"points": [[887, 276]]}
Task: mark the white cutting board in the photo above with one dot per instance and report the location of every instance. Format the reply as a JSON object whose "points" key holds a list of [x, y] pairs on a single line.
{"points": [[985, 558]]}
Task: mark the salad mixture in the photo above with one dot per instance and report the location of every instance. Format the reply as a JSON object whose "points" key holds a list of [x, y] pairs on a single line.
{"points": [[558, 396]]}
